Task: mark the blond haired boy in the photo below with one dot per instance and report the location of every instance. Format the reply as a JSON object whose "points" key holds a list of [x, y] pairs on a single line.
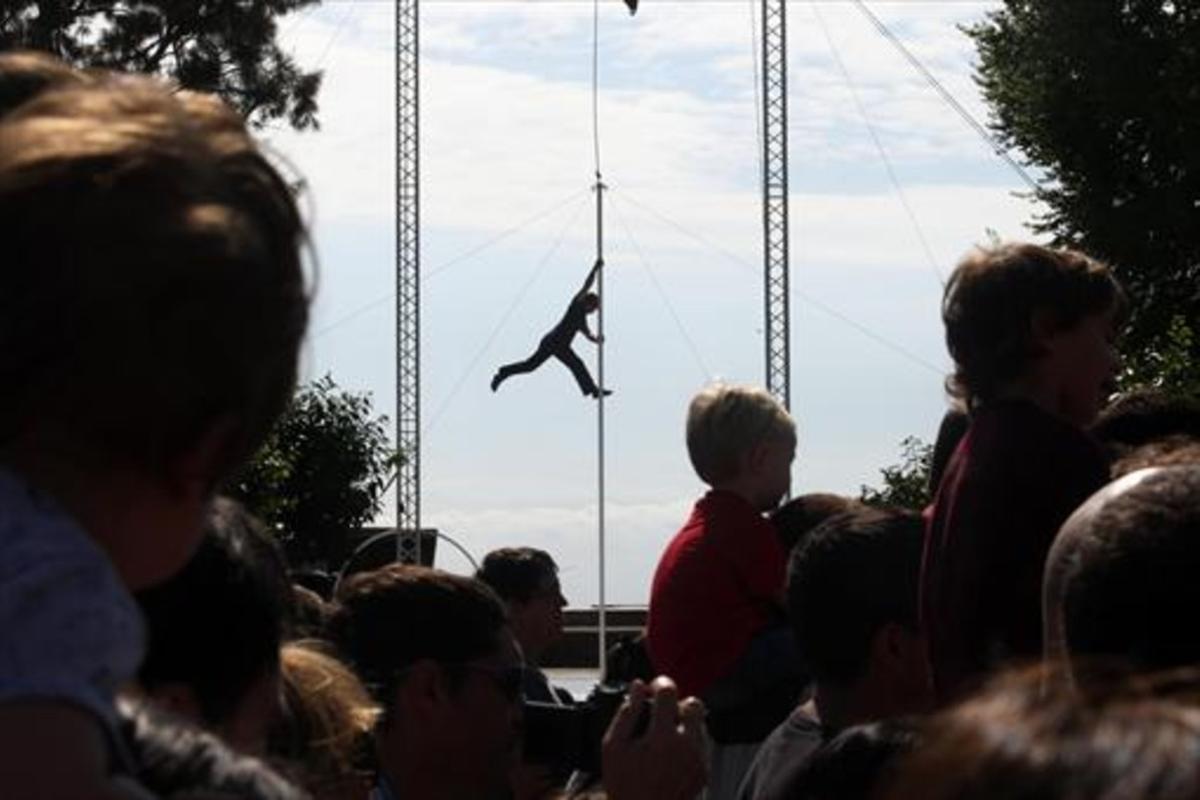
{"points": [[716, 602]]}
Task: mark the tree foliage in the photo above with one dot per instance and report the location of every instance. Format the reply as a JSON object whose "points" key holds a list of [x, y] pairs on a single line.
{"points": [[226, 47], [1104, 96], [321, 474], [1166, 366], [905, 484]]}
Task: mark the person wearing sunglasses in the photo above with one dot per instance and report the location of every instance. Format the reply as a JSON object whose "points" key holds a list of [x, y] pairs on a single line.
{"points": [[526, 579], [437, 652]]}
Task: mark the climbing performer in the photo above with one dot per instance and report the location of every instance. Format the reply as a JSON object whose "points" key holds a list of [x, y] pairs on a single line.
{"points": [[557, 342]]}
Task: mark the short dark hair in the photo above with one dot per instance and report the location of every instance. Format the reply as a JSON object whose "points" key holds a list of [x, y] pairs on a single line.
{"points": [[796, 518], [1143, 416], [390, 618], [1130, 588], [517, 573], [1169, 451], [990, 303], [853, 574], [859, 759], [1020, 740], [217, 625]]}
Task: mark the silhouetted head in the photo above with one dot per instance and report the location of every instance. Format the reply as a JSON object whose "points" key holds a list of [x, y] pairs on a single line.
{"points": [[852, 764], [797, 517], [527, 581], [436, 651], [1169, 451], [852, 598], [591, 302], [742, 435], [215, 627], [1016, 740], [143, 222], [1013, 309], [1142, 416], [1120, 581]]}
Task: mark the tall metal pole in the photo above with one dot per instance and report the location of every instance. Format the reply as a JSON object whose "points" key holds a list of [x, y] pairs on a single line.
{"points": [[602, 614], [408, 287], [777, 311], [601, 617]]}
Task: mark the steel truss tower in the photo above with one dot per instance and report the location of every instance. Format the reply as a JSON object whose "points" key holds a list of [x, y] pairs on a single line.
{"points": [[777, 312], [408, 287]]}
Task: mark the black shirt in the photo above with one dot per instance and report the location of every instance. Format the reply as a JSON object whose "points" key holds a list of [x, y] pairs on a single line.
{"points": [[537, 687], [572, 322]]}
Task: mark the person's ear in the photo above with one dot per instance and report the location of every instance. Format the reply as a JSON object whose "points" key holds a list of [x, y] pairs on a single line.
{"points": [[887, 647], [899, 666], [516, 613], [897, 648], [1044, 327], [756, 457], [423, 691], [194, 472]]}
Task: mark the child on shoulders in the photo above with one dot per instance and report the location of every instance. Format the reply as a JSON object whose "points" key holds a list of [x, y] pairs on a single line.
{"points": [[716, 622], [152, 304]]}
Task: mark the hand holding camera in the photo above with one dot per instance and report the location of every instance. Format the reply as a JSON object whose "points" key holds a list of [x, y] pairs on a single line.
{"points": [[668, 758]]}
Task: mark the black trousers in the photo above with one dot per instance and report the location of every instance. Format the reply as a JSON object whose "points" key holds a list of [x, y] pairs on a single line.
{"points": [[563, 352]]}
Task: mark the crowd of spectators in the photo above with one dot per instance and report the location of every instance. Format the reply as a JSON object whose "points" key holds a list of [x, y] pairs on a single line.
{"points": [[1026, 635]]}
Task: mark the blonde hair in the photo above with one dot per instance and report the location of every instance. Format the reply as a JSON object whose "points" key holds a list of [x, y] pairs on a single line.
{"points": [[25, 74], [152, 284], [328, 717], [724, 422]]}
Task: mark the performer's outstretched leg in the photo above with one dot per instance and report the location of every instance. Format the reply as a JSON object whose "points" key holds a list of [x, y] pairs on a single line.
{"points": [[580, 371], [521, 367]]}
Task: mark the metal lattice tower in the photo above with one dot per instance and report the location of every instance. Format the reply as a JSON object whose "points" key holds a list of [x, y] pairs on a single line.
{"points": [[775, 200], [408, 289]]}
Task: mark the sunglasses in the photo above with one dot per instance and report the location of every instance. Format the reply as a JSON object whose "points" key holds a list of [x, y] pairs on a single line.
{"points": [[509, 681]]}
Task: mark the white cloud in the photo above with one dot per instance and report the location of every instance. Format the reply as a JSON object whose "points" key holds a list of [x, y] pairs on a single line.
{"points": [[507, 130], [499, 138]]}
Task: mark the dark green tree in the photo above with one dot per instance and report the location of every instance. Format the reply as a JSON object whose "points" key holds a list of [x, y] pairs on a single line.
{"points": [[1104, 97], [321, 474], [227, 47], [905, 484], [1167, 366]]}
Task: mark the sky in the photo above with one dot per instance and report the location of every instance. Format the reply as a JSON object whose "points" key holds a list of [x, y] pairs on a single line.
{"points": [[508, 235]]}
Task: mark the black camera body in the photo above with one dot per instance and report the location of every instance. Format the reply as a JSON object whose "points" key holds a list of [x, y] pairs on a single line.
{"points": [[567, 738]]}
